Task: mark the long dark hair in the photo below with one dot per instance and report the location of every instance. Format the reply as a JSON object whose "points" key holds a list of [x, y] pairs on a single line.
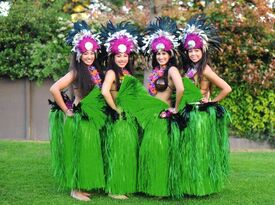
{"points": [[82, 75], [173, 61], [111, 65], [200, 66]]}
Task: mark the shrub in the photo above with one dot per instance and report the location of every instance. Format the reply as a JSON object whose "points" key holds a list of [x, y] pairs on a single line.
{"points": [[31, 42], [247, 64], [248, 43], [252, 115]]}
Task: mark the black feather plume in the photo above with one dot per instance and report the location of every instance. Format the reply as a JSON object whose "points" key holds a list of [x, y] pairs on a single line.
{"points": [[78, 26], [162, 23], [200, 21], [110, 28]]}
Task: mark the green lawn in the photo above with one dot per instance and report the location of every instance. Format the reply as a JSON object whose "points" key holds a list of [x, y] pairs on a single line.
{"points": [[26, 178]]}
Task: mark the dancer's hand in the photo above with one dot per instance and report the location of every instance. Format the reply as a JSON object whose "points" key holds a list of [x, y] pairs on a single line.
{"points": [[163, 114], [119, 110], [69, 113], [120, 113], [204, 100], [172, 110], [167, 113]]}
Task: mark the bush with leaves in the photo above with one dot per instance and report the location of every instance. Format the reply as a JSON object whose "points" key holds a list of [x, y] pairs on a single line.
{"points": [[31, 40], [251, 116], [248, 64], [248, 43]]}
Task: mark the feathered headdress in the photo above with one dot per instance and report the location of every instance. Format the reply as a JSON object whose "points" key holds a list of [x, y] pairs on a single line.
{"points": [[120, 38], [161, 34], [200, 34], [82, 39]]}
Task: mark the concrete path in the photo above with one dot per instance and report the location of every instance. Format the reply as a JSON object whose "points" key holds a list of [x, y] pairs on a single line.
{"points": [[243, 145]]}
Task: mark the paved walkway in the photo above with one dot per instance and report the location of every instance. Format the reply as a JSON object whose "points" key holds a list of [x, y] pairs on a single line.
{"points": [[243, 145]]}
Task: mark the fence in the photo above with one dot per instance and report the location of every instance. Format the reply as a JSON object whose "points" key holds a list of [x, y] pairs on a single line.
{"points": [[24, 109]]}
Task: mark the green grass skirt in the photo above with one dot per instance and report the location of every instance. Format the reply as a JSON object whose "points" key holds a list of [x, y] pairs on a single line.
{"points": [[121, 146], [76, 144], [153, 160], [204, 146], [56, 124], [121, 143]]}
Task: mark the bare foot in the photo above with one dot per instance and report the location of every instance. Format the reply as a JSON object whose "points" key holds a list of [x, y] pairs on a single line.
{"points": [[118, 196], [79, 196], [86, 193]]}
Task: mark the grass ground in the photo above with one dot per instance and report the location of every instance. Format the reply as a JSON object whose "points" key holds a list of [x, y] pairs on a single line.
{"points": [[26, 178]]}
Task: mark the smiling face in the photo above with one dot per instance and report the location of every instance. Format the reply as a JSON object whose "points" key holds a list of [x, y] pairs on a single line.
{"points": [[121, 59], [162, 58], [88, 58], [195, 54]]}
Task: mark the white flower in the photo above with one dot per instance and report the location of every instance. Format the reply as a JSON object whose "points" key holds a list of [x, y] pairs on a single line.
{"points": [[190, 4], [140, 7], [160, 46], [108, 9], [97, 7], [103, 7], [251, 6], [239, 16], [262, 19], [4, 8], [125, 9], [61, 35], [271, 4], [122, 48], [270, 15], [88, 46]]}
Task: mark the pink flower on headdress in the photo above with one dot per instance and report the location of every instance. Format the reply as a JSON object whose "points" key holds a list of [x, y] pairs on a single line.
{"points": [[87, 43], [121, 45], [193, 41], [161, 43]]}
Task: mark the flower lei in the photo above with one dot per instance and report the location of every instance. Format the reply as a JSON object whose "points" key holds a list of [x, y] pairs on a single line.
{"points": [[155, 74], [191, 72], [95, 77], [124, 72]]}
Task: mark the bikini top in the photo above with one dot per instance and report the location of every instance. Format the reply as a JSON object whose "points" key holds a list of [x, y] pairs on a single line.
{"points": [[161, 84]]}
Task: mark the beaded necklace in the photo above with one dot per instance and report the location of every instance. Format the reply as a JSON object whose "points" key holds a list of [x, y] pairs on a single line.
{"points": [[95, 77], [155, 74]]}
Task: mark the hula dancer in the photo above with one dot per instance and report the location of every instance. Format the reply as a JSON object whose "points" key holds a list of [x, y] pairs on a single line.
{"points": [[205, 138], [157, 114], [74, 126], [121, 143]]}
